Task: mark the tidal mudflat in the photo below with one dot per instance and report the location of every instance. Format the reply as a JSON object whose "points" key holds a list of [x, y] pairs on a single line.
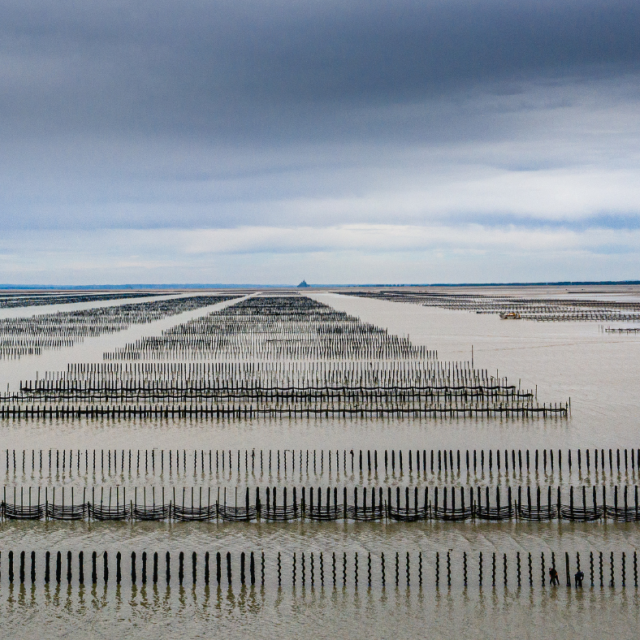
{"points": [[253, 463]]}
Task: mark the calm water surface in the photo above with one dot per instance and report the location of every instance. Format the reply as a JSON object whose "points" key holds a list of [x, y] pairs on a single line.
{"points": [[599, 372]]}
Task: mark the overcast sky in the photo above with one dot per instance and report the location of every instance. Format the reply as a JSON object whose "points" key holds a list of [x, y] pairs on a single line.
{"points": [[267, 141]]}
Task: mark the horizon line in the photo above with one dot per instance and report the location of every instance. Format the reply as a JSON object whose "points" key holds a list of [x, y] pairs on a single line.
{"points": [[28, 287]]}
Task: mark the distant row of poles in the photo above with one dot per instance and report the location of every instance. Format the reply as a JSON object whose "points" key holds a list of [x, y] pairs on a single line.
{"points": [[320, 409], [280, 356], [316, 462], [332, 569], [541, 310], [30, 335]]}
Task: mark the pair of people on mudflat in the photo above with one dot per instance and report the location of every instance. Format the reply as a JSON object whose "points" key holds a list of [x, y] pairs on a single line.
{"points": [[555, 580]]}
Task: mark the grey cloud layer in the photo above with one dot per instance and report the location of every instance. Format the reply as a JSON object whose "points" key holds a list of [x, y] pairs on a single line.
{"points": [[266, 115], [237, 70]]}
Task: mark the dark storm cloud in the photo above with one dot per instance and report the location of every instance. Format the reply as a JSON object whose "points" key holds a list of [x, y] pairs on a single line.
{"points": [[283, 70]]}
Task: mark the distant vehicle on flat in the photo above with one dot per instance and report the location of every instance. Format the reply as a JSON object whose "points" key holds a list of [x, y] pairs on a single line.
{"points": [[512, 315]]}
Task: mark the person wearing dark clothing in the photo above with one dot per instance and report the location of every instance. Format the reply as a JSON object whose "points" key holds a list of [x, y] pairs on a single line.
{"points": [[579, 577], [553, 575]]}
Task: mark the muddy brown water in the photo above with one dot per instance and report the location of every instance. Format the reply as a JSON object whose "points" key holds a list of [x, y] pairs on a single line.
{"points": [[598, 371]]}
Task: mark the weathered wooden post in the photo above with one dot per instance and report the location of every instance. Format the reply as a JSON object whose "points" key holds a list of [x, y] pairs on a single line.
{"points": [[155, 567]]}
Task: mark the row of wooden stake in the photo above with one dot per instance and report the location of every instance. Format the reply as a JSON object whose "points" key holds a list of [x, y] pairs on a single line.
{"points": [[314, 569], [288, 460]]}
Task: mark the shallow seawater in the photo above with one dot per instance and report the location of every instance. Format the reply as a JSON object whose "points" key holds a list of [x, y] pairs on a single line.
{"points": [[242, 612], [598, 371]]}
